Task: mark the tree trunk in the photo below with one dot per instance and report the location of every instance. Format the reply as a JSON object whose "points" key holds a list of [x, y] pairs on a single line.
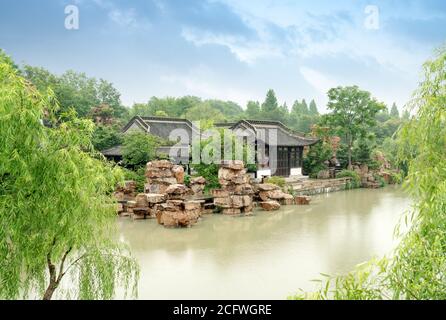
{"points": [[350, 143], [50, 291]]}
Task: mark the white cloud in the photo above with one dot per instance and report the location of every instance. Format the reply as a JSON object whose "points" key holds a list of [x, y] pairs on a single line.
{"points": [[245, 50]]}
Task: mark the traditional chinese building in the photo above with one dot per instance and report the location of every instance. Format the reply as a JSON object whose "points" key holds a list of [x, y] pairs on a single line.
{"points": [[278, 149]]}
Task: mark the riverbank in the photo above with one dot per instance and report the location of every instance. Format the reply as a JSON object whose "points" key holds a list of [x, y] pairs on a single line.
{"points": [[264, 256]]}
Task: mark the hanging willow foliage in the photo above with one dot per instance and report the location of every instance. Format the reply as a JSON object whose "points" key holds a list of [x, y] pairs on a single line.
{"points": [[57, 218], [417, 267]]}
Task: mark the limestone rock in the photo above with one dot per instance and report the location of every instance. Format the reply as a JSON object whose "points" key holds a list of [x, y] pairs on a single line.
{"points": [[270, 205], [233, 164], [198, 180], [302, 200], [141, 200], [178, 172], [177, 190], [164, 164], [287, 200], [154, 198], [231, 211]]}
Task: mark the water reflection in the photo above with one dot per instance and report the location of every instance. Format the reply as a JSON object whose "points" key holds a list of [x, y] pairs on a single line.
{"points": [[266, 256]]}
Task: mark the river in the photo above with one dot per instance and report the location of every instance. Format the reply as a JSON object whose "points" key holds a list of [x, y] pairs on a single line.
{"points": [[267, 255]]}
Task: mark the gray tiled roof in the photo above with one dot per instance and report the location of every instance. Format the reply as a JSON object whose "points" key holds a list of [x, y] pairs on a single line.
{"points": [[162, 127], [267, 130]]}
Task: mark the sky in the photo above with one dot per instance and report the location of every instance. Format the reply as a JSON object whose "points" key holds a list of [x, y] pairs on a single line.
{"points": [[231, 50]]}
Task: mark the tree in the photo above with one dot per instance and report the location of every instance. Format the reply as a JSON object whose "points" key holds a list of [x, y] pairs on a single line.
{"points": [[161, 113], [394, 113], [313, 108], [139, 148], [76, 90], [105, 137], [57, 218], [204, 111], [314, 161], [299, 109], [270, 106], [252, 110], [304, 106], [7, 59], [353, 111]]}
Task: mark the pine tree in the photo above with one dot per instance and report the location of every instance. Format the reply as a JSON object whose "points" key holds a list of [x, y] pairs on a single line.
{"points": [[252, 110], [394, 113], [270, 106], [313, 108]]}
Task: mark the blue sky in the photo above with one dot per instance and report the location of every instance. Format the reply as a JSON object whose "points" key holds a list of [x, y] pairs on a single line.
{"points": [[228, 49]]}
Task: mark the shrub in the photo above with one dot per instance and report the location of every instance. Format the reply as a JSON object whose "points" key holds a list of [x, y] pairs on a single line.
{"points": [[139, 148], [278, 181], [355, 182], [315, 159], [137, 176], [380, 180]]}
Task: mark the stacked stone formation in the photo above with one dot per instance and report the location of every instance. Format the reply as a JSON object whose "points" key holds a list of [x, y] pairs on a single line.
{"points": [[126, 192], [197, 185], [178, 213], [161, 174], [271, 196], [125, 195], [235, 196], [166, 195]]}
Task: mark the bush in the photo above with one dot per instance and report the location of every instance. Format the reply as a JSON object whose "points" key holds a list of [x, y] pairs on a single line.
{"points": [[210, 173], [397, 177], [380, 180], [137, 176], [355, 182], [105, 137], [138, 149], [187, 179], [278, 181], [315, 159]]}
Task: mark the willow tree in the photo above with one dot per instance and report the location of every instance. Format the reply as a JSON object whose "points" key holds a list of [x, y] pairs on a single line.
{"points": [[57, 219], [417, 267]]}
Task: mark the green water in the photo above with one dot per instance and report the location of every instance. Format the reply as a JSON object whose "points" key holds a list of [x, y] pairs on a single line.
{"points": [[268, 255]]}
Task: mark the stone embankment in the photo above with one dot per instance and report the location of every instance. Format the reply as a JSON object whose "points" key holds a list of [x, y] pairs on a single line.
{"points": [[310, 187]]}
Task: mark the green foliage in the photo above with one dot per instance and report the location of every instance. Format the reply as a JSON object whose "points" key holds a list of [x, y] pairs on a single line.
{"points": [[187, 179], [353, 112], [76, 90], [210, 171], [315, 159], [278, 181], [138, 148], [57, 218], [355, 181], [4, 58], [394, 113], [252, 110], [137, 175], [105, 137], [362, 151], [416, 269], [380, 180], [204, 111]]}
